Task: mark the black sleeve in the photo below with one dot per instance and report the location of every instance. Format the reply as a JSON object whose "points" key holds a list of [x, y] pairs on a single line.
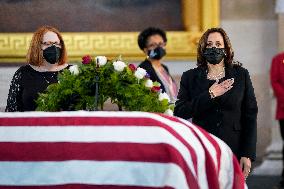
{"points": [[149, 69], [14, 100], [189, 105], [249, 120]]}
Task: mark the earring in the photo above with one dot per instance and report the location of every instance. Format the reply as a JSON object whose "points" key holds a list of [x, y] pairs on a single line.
{"points": [[224, 52]]}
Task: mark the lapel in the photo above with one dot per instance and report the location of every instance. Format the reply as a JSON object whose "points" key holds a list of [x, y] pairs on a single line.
{"points": [[153, 74], [201, 80], [151, 71], [230, 73]]}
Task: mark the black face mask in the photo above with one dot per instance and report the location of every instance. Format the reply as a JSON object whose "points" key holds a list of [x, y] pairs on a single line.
{"points": [[214, 55], [157, 53], [52, 54]]}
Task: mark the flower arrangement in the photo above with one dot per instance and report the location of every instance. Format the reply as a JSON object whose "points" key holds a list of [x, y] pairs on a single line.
{"points": [[127, 86]]}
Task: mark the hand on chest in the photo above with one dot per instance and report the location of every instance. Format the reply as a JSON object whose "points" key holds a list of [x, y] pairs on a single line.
{"points": [[229, 99]]}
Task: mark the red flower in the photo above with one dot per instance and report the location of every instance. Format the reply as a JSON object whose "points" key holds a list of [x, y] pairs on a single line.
{"points": [[86, 59], [155, 88], [132, 67]]}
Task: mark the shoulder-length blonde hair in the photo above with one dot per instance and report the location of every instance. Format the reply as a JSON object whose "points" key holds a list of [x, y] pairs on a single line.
{"points": [[203, 44], [35, 55]]}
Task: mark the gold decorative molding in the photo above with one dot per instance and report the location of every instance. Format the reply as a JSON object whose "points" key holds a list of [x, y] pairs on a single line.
{"points": [[191, 15], [198, 15], [210, 14]]}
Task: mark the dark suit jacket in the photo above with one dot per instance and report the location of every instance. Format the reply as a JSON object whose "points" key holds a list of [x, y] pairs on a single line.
{"points": [[146, 64], [231, 117]]}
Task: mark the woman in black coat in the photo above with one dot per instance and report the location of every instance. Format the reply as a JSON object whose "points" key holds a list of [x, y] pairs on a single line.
{"points": [[46, 58], [152, 41], [218, 95]]}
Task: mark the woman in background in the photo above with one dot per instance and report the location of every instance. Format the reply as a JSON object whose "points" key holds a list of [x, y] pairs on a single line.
{"points": [[153, 41], [45, 59]]}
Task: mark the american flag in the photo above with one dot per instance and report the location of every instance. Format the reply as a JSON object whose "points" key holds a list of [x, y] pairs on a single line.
{"points": [[112, 150]]}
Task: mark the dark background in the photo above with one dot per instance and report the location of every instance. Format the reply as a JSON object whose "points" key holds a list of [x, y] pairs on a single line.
{"points": [[90, 15]]}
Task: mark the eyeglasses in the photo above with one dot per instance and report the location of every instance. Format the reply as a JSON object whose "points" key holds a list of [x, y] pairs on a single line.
{"points": [[49, 43], [155, 45]]}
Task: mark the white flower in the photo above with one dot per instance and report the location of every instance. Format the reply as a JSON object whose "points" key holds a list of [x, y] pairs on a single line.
{"points": [[74, 69], [119, 65], [163, 96], [169, 112], [101, 60], [149, 83], [140, 73]]}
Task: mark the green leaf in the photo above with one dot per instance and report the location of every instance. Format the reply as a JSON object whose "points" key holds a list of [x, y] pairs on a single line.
{"points": [[77, 92]]}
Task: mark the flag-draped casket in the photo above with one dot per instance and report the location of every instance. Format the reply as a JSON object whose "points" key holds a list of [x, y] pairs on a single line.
{"points": [[111, 150]]}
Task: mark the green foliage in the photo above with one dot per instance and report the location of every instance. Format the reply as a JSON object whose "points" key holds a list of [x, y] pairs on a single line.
{"points": [[77, 91]]}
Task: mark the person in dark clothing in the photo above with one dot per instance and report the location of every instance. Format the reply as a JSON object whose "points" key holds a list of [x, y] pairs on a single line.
{"points": [[46, 58], [218, 95], [152, 41]]}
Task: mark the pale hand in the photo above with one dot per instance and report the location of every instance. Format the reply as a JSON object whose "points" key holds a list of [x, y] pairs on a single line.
{"points": [[219, 89], [245, 164]]}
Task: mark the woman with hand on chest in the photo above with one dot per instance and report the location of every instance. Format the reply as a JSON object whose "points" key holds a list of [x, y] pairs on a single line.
{"points": [[218, 95], [46, 58]]}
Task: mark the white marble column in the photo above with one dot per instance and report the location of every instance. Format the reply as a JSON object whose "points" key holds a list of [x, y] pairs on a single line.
{"points": [[272, 164]]}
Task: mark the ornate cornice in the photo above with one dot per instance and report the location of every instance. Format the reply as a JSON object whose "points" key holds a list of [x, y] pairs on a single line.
{"points": [[197, 17]]}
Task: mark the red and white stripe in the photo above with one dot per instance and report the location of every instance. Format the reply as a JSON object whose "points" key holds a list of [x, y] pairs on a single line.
{"points": [[111, 150]]}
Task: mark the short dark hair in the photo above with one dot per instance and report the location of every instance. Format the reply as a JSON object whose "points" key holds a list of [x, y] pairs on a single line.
{"points": [[145, 34]]}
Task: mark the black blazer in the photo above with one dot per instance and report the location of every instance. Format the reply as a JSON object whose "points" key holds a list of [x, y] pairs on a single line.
{"points": [[231, 117], [146, 64]]}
